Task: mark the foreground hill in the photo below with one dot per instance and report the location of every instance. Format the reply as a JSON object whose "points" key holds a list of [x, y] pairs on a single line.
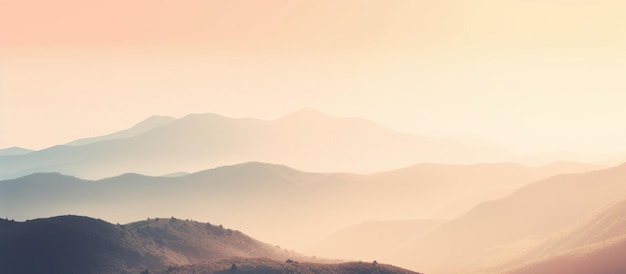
{"points": [[267, 266], [73, 244], [303, 140], [533, 212], [274, 203]]}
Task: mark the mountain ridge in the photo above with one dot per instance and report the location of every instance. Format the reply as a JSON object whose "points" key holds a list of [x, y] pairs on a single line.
{"points": [[148, 124], [197, 141], [14, 151], [315, 204]]}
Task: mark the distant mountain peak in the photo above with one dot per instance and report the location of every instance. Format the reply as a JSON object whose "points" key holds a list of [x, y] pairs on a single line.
{"points": [[202, 115], [146, 125], [14, 151], [47, 176], [159, 119]]}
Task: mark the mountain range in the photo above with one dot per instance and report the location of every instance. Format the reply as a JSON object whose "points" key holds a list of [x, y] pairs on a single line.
{"points": [[469, 212], [303, 140], [271, 202]]}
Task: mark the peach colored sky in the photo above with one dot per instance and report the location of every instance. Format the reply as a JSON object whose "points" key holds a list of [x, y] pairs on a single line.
{"points": [[528, 75]]}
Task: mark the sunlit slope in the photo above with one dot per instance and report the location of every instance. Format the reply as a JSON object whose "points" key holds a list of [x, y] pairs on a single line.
{"points": [[534, 211]]}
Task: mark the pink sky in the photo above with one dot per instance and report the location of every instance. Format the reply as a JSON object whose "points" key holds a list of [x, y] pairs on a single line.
{"points": [[528, 75]]}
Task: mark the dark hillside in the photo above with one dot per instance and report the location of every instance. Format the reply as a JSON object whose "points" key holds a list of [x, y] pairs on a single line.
{"points": [[73, 244]]}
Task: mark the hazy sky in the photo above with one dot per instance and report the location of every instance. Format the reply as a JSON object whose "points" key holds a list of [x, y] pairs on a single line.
{"points": [[528, 75]]}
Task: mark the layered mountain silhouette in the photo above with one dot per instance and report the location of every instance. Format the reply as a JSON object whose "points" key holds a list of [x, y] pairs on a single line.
{"points": [[532, 212], [271, 202], [304, 140], [596, 244], [74, 244]]}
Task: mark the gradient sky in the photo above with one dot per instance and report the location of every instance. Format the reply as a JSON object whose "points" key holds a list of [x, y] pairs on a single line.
{"points": [[527, 75]]}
